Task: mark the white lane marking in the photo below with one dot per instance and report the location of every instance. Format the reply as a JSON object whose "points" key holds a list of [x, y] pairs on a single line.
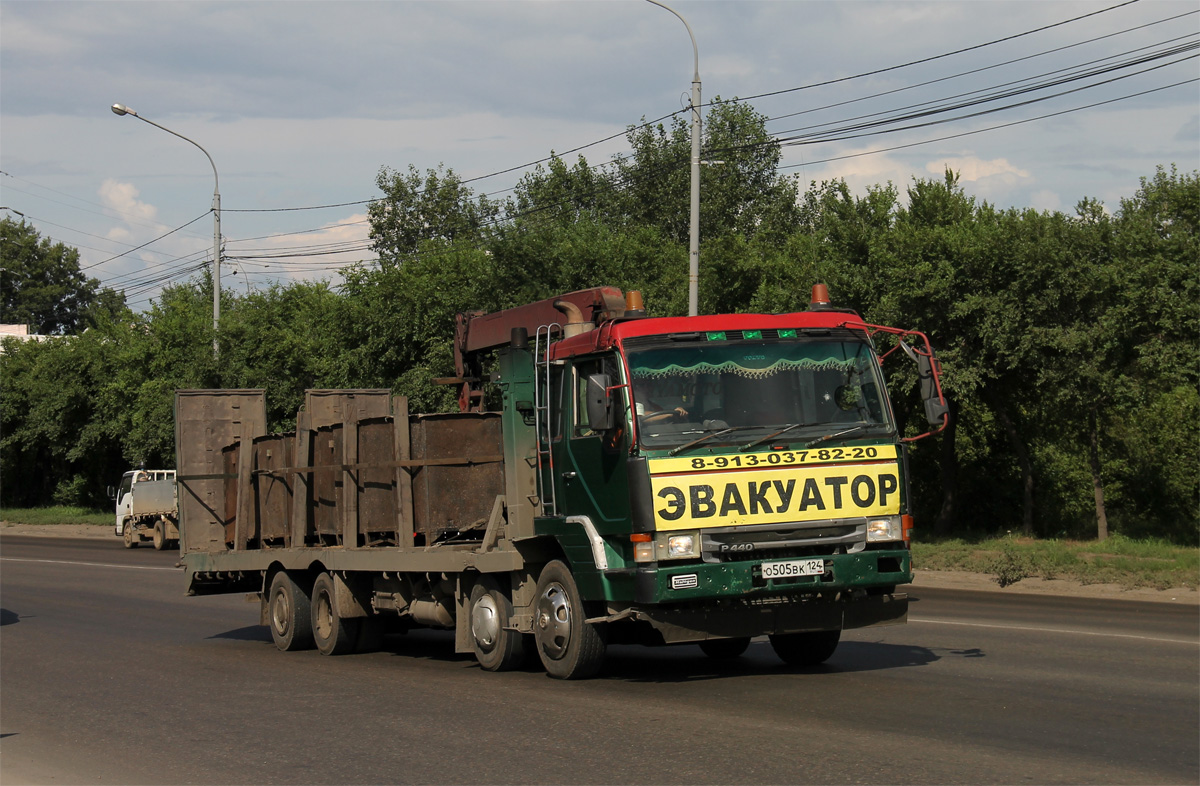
{"points": [[1053, 630], [92, 564]]}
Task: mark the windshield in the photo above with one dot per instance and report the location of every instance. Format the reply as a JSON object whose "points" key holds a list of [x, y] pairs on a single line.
{"points": [[750, 389]]}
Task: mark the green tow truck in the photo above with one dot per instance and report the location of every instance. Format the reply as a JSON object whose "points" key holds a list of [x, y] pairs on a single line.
{"points": [[609, 478]]}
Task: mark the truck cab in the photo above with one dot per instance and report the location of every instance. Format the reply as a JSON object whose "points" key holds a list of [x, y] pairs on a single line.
{"points": [[714, 478]]}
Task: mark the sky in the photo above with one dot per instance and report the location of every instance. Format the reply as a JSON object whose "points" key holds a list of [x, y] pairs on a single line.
{"points": [[300, 104]]}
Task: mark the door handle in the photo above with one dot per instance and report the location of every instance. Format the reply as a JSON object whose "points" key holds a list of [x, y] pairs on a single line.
{"points": [[568, 476]]}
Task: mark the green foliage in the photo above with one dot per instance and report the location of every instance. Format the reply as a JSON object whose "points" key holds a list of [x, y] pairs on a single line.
{"points": [[41, 284], [57, 514], [1009, 566], [285, 340], [742, 191], [416, 209]]}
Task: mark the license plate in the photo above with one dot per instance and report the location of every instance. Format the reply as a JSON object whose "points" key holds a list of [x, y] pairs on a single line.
{"points": [[793, 568]]}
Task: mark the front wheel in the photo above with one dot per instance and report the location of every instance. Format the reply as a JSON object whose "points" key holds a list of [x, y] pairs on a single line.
{"points": [[806, 649], [569, 647], [131, 538], [497, 648], [333, 633]]}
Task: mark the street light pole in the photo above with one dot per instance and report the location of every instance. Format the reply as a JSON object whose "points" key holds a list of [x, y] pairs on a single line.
{"points": [[694, 222], [121, 109]]}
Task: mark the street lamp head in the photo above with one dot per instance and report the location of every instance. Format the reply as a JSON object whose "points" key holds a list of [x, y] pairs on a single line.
{"points": [[121, 109]]}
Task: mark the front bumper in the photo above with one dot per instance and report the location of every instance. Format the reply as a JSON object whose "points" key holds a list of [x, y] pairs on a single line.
{"points": [[750, 617], [866, 570]]}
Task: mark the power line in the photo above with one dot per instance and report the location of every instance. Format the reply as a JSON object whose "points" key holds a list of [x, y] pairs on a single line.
{"points": [[981, 69], [148, 242], [932, 58], [845, 131], [993, 128]]}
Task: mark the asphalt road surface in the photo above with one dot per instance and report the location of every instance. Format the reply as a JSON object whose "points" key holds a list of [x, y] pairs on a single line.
{"points": [[108, 674]]}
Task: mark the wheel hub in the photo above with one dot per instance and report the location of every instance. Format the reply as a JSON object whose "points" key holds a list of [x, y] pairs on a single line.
{"points": [[485, 622], [281, 613], [323, 619], [554, 621]]}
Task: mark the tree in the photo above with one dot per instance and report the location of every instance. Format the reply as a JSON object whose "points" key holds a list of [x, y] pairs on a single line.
{"points": [[416, 209], [42, 286], [57, 446], [741, 189], [284, 339], [1155, 246]]}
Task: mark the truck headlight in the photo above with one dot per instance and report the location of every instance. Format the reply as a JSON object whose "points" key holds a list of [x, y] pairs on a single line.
{"points": [[883, 529], [679, 545]]}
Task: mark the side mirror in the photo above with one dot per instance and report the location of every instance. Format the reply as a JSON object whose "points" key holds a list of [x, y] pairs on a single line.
{"points": [[112, 492], [599, 405], [937, 409]]}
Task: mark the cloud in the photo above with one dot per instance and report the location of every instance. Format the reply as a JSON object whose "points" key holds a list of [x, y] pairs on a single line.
{"points": [[123, 198], [971, 169], [1044, 200]]}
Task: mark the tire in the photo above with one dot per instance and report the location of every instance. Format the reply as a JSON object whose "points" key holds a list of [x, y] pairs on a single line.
{"points": [[160, 536], [568, 646], [332, 634], [806, 649], [288, 614], [496, 648], [131, 538], [725, 649]]}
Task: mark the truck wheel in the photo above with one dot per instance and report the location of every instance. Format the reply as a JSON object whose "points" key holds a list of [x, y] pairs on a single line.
{"points": [[131, 539], [496, 649], [332, 634], [725, 649], [806, 649], [160, 537], [290, 617], [569, 647]]}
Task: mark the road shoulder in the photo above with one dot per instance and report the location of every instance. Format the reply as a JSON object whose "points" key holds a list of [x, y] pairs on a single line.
{"points": [[946, 579], [941, 579]]}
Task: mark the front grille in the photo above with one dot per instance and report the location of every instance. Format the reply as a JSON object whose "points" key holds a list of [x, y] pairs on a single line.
{"points": [[810, 539]]}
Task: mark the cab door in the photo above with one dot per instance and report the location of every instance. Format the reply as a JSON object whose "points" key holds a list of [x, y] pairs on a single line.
{"points": [[593, 466], [124, 500]]}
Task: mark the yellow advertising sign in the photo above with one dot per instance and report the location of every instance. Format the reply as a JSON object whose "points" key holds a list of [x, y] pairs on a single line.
{"points": [[697, 499]]}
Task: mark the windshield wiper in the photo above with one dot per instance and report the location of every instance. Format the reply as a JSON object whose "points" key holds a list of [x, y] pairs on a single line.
{"points": [[841, 434], [705, 438], [770, 437]]}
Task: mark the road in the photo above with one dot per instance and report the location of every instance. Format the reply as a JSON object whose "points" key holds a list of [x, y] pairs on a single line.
{"points": [[108, 674]]}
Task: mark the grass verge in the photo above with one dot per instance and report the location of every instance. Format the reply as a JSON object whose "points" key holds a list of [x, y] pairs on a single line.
{"points": [[59, 514], [1119, 560]]}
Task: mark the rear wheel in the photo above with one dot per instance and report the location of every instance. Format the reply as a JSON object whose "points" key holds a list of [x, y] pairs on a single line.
{"points": [[806, 649], [289, 614], [131, 538], [725, 649], [332, 633], [160, 536], [496, 648], [569, 647]]}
